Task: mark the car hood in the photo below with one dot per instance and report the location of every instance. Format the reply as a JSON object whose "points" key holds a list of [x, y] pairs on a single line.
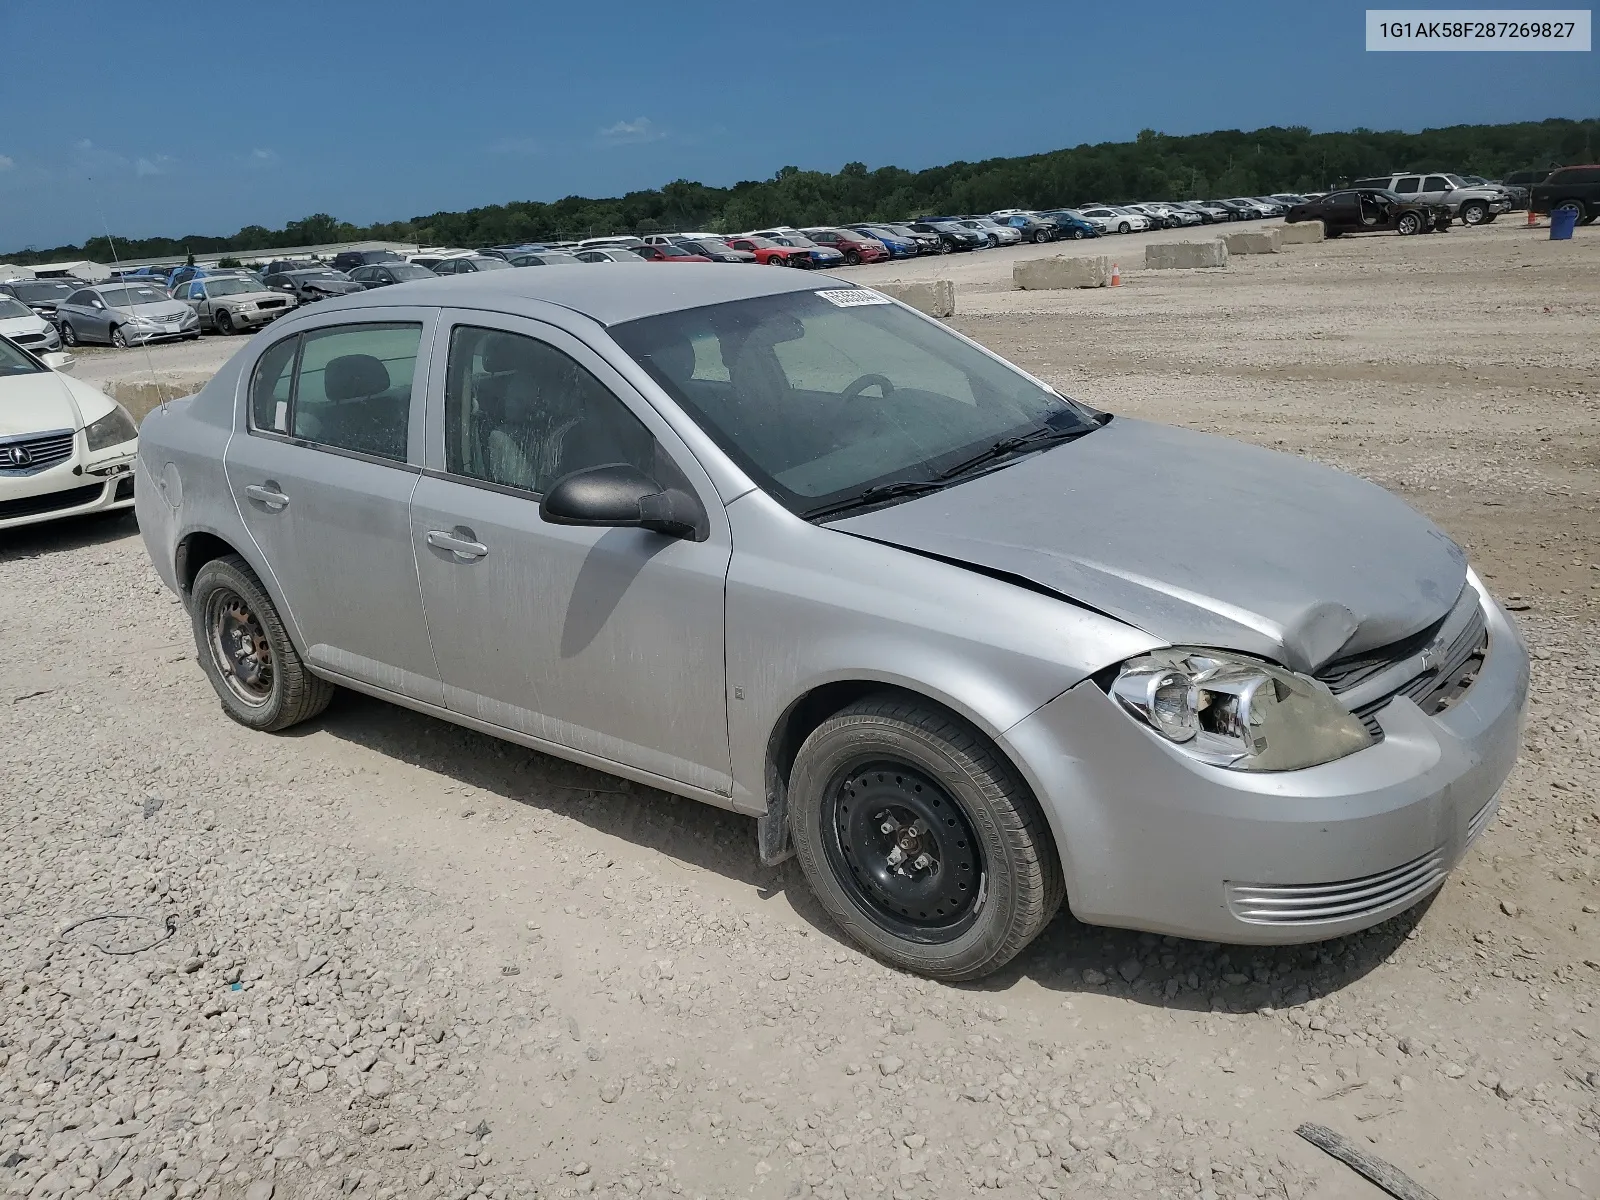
{"points": [[1196, 539], [164, 310], [337, 287], [15, 326], [45, 401]]}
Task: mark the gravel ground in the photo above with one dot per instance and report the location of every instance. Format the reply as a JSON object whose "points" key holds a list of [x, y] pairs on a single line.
{"points": [[384, 956]]}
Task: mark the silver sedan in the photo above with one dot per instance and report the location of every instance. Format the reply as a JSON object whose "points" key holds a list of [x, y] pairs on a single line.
{"points": [[124, 314], [965, 645]]}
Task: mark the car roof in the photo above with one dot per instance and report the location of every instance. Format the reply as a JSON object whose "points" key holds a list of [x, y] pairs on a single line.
{"points": [[629, 291]]}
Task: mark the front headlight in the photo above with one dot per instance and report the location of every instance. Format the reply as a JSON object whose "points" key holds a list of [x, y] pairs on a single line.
{"points": [[113, 429], [1232, 711]]}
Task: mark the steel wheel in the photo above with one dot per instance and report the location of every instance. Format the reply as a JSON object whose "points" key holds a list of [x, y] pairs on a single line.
{"points": [[239, 647], [69, 336], [1409, 223], [223, 321], [904, 852], [1474, 212], [118, 338]]}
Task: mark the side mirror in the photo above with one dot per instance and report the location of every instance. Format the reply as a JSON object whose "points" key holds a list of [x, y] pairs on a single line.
{"points": [[620, 496]]}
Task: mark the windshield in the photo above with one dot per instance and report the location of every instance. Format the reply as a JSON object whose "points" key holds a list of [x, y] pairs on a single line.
{"points": [[14, 362], [797, 239], [405, 270], [820, 395], [37, 293], [127, 297], [231, 287], [10, 308], [323, 274], [491, 264], [760, 243]]}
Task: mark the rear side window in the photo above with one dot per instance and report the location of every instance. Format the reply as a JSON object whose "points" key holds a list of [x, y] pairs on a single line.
{"points": [[1407, 186], [1576, 175], [1436, 183], [348, 387]]}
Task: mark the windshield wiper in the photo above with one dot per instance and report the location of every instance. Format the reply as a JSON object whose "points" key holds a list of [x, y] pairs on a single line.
{"points": [[874, 495], [1045, 435]]}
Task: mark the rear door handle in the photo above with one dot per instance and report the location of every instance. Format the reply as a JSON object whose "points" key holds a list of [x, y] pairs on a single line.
{"points": [[464, 548], [267, 495]]}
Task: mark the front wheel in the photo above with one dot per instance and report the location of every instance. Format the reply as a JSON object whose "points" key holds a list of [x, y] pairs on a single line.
{"points": [[1124, 228], [1040, 237], [69, 335], [1409, 223], [1474, 212], [852, 259], [223, 321], [944, 246], [118, 338], [246, 653], [1077, 235], [920, 839]]}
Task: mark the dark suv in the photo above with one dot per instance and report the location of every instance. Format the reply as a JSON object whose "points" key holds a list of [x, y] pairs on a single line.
{"points": [[1570, 187], [345, 260]]}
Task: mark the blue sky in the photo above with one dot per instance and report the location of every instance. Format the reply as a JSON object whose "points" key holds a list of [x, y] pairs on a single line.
{"points": [[187, 119]]}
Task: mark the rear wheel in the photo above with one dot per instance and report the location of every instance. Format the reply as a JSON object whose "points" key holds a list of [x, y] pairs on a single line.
{"points": [[920, 839], [246, 653]]}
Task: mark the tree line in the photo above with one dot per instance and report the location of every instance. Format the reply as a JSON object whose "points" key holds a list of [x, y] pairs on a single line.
{"points": [[1154, 166]]}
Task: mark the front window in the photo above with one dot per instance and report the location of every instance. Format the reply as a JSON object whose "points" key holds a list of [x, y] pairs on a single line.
{"points": [[43, 292], [821, 395], [14, 362], [521, 414], [490, 264], [128, 297], [229, 287], [404, 271]]}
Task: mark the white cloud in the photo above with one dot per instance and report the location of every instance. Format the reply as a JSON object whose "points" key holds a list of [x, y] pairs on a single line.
{"points": [[6, 163], [146, 166], [640, 129], [263, 156]]}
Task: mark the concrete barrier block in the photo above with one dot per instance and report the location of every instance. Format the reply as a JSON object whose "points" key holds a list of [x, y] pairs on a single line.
{"points": [[1256, 241], [1167, 256], [1043, 274], [1300, 233], [936, 297]]}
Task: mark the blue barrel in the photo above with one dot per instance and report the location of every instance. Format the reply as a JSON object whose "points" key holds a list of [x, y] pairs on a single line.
{"points": [[1562, 222]]}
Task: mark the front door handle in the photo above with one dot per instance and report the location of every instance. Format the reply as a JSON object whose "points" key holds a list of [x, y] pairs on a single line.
{"points": [[463, 547], [268, 494]]}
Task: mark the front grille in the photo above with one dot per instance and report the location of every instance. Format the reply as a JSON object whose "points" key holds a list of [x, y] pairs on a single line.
{"points": [[32, 506], [272, 303], [1481, 818], [1454, 670], [30, 339], [1316, 903], [39, 452]]}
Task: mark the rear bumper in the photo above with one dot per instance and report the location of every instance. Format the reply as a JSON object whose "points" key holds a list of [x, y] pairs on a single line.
{"points": [[1152, 840]]}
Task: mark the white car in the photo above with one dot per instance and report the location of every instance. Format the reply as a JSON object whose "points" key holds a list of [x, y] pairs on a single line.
{"points": [[65, 447], [1112, 218], [25, 327]]}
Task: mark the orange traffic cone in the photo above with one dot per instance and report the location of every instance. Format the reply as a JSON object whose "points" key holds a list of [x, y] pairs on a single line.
{"points": [[1116, 275]]}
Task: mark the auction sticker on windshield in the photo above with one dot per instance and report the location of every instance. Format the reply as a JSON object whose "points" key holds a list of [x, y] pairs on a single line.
{"points": [[1478, 29], [851, 297]]}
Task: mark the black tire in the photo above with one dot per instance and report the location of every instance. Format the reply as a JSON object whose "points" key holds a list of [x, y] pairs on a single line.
{"points": [[1124, 228], [69, 335], [894, 746], [118, 338], [1040, 236], [944, 246], [1409, 223], [852, 259], [1077, 235], [228, 605], [1475, 212], [223, 321], [1332, 233]]}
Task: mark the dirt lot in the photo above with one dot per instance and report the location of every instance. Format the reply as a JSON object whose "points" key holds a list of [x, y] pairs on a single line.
{"points": [[406, 960]]}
